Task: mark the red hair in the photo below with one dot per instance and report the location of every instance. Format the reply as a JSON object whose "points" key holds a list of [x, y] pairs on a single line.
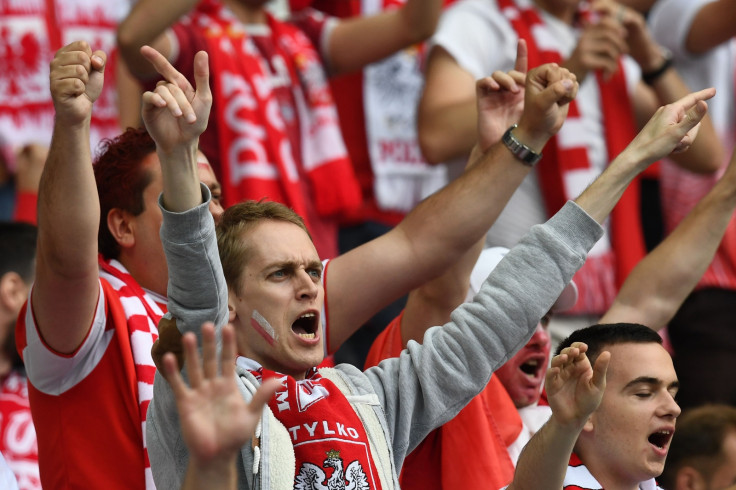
{"points": [[121, 179]]}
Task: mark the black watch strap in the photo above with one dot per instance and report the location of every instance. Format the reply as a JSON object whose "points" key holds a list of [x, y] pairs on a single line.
{"points": [[519, 149]]}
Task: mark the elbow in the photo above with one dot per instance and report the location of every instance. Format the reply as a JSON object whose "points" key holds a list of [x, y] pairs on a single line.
{"points": [[431, 144]]}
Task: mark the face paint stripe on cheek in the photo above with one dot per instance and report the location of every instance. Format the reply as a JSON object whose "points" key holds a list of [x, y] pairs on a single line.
{"points": [[263, 328]]}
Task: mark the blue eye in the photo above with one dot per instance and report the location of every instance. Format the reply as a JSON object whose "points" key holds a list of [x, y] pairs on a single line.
{"points": [[316, 273]]}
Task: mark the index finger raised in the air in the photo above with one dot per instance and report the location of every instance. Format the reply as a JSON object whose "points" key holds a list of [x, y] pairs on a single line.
{"points": [[165, 69]]}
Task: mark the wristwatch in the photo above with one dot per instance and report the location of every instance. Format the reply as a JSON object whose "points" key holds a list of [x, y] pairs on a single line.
{"points": [[519, 149]]}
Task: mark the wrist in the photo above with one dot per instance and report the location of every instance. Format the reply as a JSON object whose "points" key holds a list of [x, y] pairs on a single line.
{"points": [[526, 154], [531, 138], [651, 73]]}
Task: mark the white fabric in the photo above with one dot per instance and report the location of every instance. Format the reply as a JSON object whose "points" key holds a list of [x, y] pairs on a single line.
{"points": [[482, 41], [53, 373], [7, 478], [670, 21], [579, 476], [391, 91]]}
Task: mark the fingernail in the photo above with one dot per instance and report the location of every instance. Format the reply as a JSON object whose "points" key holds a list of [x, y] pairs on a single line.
{"points": [[97, 59], [191, 117], [567, 83]]}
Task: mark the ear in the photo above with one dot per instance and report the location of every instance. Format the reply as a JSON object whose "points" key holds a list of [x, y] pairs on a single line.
{"points": [[121, 226], [13, 292], [688, 478], [231, 301]]}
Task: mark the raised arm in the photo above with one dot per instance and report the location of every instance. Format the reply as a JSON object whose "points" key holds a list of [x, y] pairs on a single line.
{"points": [[359, 41], [147, 24], [658, 285], [574, 391], [66, 287], [713, 25], [444, 226], [215, 420], [431, 304], [671, 129]]}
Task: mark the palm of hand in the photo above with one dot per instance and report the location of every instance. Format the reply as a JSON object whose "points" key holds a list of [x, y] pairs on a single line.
{"points": [[498, 111], [215, 419], [571, 393]]}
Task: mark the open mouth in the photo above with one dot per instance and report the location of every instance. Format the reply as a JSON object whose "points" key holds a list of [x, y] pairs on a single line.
{"points": [[531, 367], [661, 438], [305, 326]]}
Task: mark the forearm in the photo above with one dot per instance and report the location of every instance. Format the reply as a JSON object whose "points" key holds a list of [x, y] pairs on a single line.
{"points": [[447, 132], [713, 25], [359, 41], [658, 285], [68, 206], [146, 24], [432, 303], [181, 190], [547, 453]]}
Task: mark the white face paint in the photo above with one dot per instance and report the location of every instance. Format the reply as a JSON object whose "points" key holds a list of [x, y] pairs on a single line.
{"points": [[262, 326]]}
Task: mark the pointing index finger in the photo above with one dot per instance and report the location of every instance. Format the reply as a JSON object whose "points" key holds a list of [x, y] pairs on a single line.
{"points": [[165, 69]]}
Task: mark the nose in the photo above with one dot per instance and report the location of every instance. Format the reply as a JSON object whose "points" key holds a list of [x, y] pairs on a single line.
{"points": [[307, 286], [540, 338], [216, 210], [669, 407]]}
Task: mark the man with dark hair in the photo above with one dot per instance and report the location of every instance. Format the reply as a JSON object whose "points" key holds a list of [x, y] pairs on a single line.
{"points": [[611, 388], [703, 451], [17, 434]]}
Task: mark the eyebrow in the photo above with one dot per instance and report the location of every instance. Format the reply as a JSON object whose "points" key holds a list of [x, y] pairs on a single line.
{"points": [[649, 380], [290, 264]]}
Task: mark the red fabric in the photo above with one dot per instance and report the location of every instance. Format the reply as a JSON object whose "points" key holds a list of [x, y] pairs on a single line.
{"points": [[322, 422], [483, 429], [78, 445], [266, 149], [25, 207], [17, 433], [627, 239], [348, 91]]}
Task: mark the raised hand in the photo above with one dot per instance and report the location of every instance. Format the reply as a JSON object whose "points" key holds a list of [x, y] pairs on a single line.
{"points": [[672, 128], [176, 113], [76, 77], [599, 47], [548, 91], [500, 100], [574, 388], [215, 419], [639, 42]]}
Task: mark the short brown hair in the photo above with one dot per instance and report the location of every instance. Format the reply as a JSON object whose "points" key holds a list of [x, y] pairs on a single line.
{"points": [[235, 222], [698, 441]]}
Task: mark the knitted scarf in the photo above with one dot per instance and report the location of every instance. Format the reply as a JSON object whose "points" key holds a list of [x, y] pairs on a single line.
{"points": [[259, 159], [561, 158], [142, 313], [330, 442]]}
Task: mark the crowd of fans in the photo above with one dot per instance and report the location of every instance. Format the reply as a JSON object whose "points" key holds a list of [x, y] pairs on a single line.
{"points": [[367, 244]]}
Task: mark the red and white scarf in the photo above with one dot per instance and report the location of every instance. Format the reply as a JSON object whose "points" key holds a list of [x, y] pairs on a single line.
{"points": [[258, 156], [330, 442], [142, 313], [627, 242]]}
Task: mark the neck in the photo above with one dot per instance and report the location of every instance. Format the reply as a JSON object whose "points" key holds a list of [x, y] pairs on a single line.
{"points": [[247, 14], [561, 10], [606, 474], [146, 276]]}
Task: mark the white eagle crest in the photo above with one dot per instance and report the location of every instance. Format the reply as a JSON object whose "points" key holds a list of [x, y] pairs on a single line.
{"points": [[312, 477]]}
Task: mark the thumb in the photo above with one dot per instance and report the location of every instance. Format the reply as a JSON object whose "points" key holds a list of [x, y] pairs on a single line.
{"points": [[99, 61], [694, 115], [561, 91]]}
